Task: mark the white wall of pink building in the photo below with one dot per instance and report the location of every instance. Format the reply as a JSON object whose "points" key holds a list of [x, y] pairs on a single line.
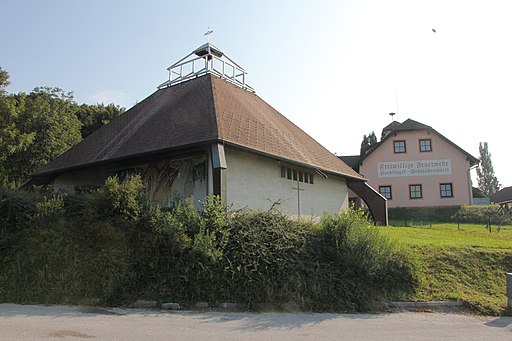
{"points": [[454, 170]]}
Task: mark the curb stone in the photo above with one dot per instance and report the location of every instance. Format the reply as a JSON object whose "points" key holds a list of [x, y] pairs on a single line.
{"points": [[145, 304], [171, 306], [428, 305]]}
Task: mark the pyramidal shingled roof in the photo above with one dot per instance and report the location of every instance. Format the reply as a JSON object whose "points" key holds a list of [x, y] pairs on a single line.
{"points": [[203, 110]]}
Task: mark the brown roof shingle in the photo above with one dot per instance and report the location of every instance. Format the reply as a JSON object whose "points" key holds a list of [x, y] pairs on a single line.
{"points": [[202, 110]]}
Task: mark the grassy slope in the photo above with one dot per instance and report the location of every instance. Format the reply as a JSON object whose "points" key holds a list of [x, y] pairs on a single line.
{"points": [[467, 263]]}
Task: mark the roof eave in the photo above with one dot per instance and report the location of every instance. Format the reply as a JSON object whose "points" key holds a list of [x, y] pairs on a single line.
{"points": [[141, 157]]}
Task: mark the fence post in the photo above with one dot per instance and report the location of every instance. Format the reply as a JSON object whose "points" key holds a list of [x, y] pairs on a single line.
{"points": [[509, 290]]}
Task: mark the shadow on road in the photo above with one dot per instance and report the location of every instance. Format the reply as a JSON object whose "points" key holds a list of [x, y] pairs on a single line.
{"points": [[500, 322], [286, 321]]}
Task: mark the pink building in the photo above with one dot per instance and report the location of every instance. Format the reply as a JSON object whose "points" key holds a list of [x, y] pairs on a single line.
{"points": [[415, 166]]}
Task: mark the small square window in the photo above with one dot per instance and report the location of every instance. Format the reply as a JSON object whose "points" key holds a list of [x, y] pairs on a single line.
{"points": [[446, 191], [385, 191], [415, 192], [399, 146], [296, 175], [425, 145]]}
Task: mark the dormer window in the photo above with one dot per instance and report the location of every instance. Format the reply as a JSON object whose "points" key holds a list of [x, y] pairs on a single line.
{"points": [[399, 146], [426, 145]]}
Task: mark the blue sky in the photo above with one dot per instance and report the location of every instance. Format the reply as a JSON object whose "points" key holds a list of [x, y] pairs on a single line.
{"points": [[335, 68]]}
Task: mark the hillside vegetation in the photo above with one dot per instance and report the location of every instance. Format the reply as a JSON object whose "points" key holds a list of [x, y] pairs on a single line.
{"points": [[467, 263], [114, 246]]}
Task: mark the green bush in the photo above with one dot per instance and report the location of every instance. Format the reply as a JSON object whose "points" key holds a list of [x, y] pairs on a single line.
{"points": [[64, 262], [114, 245], [359, 266], [481, 215], [263, 258], [422, 215], [18, 212]]}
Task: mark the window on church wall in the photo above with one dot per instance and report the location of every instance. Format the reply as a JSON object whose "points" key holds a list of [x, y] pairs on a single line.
{"points": [[446, 190], [425, 145], [385, 191], [415, 192], [296, 175], [399, 146]]}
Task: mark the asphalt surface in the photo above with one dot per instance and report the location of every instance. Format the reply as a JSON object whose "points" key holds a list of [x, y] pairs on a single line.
{"points": [[23, 322]]}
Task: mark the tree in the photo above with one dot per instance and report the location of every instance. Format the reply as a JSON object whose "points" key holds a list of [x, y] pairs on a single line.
{"points": [[94, 116], [12, 140], [487, 181], [35, 128], [367, 142], [4, 80]]}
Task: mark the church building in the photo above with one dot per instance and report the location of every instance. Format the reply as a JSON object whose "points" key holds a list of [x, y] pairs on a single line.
{"points": [[203, 132]]}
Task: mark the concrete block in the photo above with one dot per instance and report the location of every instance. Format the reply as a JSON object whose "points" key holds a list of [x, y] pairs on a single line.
{"points": [[171, 306], [233, 306], [145, 304], [201, 305]]}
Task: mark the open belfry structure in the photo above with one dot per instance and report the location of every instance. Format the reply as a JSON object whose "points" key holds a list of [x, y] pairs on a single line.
{"points": [[203, 132]]}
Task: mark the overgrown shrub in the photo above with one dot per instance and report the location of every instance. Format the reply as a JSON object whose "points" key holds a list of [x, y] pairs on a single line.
{"points": [[114, 245], [65, 262], [263, 258], [18, 211], [359, 266]]}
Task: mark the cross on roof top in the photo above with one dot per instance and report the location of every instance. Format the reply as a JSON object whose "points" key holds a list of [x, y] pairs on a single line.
{"points": [[208, 33]]}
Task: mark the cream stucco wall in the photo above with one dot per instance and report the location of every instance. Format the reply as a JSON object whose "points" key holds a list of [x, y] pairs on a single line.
{"points": [[441, 150], [255, 181], [252, 181]]}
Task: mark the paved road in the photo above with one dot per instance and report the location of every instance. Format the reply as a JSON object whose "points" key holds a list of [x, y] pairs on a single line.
{"points": [[75, 323]]}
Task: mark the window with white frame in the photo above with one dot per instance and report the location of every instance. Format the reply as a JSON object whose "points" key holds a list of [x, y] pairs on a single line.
{"points": [[446, 190], [415, 192], [425, 145], [399, 146], [385, 191]]}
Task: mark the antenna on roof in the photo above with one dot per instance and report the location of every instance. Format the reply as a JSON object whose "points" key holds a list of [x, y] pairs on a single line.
{"points": [[392, 114], [396, 101]]}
